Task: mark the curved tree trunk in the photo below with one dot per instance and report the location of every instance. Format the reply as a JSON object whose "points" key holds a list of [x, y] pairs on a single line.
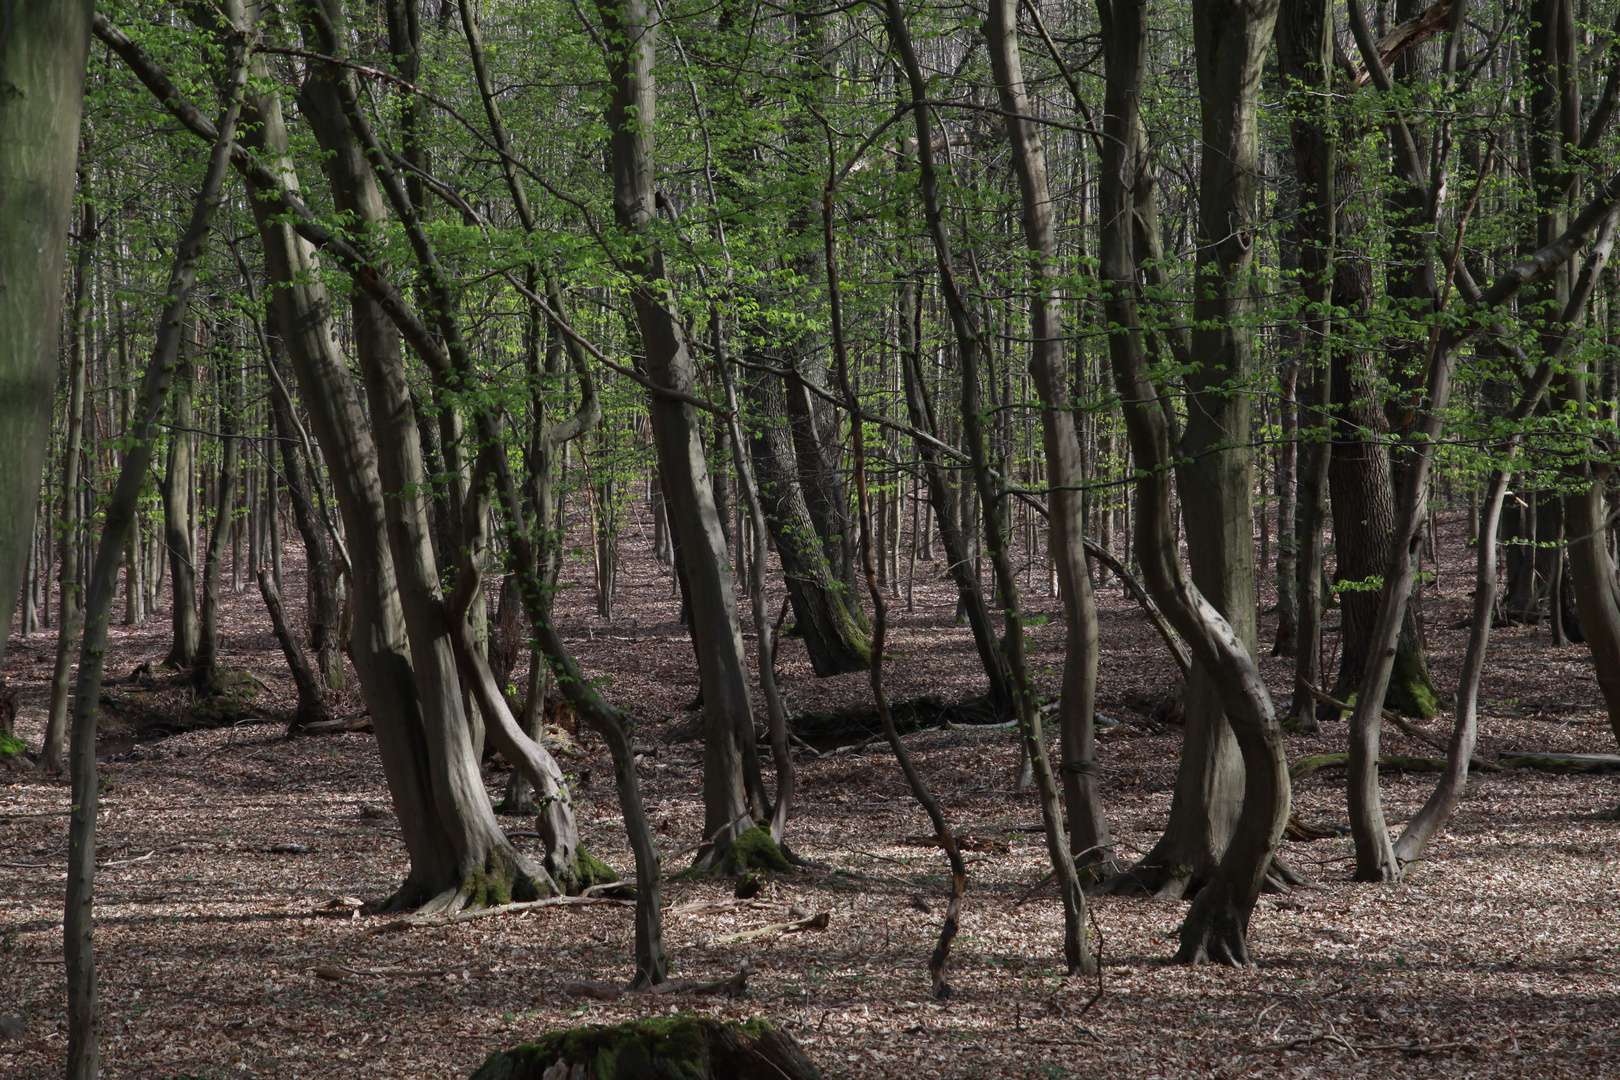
{"points": [[1230, 52]]}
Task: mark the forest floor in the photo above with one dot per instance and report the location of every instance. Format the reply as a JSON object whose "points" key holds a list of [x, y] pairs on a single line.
{"points": [[233, 860]]}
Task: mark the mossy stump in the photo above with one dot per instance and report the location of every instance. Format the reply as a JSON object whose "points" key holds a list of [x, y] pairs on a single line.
{"points": [[680, 1047]]}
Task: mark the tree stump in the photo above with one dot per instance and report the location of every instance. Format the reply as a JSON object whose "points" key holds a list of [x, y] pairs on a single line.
{"points": [[682, 1047]]}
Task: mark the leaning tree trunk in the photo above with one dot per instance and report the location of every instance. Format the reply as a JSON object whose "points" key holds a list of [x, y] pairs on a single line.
{"points": [[42, 65], [728, 717], [1089, 834], [84, 1021]]}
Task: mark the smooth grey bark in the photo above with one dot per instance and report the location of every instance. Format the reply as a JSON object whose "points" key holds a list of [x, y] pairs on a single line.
{"points": [[84, 1020], [43, 53], [1375, 854], [972, 346], [488, 868], [1048, 365], [729, 803], [72, 607], [179, 494], [1230, 52]]}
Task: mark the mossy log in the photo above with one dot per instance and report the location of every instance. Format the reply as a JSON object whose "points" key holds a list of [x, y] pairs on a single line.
{"points": [[680, 1047], [1392, 762]]}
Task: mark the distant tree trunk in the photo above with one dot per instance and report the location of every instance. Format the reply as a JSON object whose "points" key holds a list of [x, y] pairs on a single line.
{"points": [[942, 498], [178, 492], [311, 699], [730, 800], [72, 608], [322, 564], [43, 52], [206, 666], [833, 636]]}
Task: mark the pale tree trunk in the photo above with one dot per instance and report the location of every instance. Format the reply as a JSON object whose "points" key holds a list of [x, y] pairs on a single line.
{"points": [[1089, 834], [971, 347], [1229, 58], [42, 63], [72, 605], [729, 799], [84, 1021]]}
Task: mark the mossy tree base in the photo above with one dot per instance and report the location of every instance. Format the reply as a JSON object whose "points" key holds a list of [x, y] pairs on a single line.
{"points": [[1412, 691], [751, 849], [506, 877], [681, 1047]]}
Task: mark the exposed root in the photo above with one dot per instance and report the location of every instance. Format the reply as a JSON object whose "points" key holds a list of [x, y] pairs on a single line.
{"points": [[1215, 931]]}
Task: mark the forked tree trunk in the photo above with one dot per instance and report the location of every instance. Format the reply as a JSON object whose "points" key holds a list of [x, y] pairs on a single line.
{"points": [[435, 824], [1229, 53], [487, 868]]}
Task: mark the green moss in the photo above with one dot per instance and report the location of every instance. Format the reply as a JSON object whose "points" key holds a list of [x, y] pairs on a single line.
{"points": [[756, 850], [1411, 690], [11, 746], [592, 871]]}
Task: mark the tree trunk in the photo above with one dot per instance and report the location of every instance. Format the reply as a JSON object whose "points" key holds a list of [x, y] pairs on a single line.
{"points": [[42, 64], [206, 666], [728, 798], [833, 635], [178, 493], [1088, 824], [72, 607], [1229, 52], [311, 700]]}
